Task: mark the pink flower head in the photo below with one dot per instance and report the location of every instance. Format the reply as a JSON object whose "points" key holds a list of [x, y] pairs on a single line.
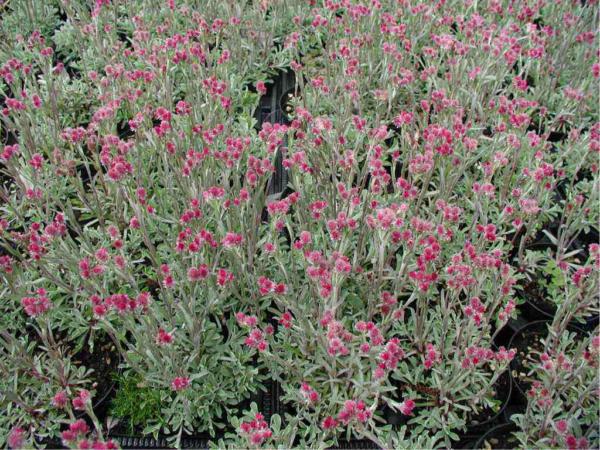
{"points": [[308, 394], [16, 438], [561, 426], [102, 255], [432, 356], [77, 429], [180, 383], [224, 277], [261, 87], [232, 240], [329, 423], [354, 410], [571, 442], [60, 399], [163, 337], [256, 431], [36, 161], [198, 273], [256, 339], [36, 306], [406, 407], [244, 320], [80, 402], [286, 319]]}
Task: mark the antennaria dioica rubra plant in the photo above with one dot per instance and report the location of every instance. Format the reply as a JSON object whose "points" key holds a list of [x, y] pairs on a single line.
{"points": [[440, 157]]}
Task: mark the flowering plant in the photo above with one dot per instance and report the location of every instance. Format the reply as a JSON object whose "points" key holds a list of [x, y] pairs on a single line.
{"points": [[560, 410], [41, 391], [427, 145]]}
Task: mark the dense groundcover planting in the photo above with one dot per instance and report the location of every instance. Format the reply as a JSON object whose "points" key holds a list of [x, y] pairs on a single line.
{"points": [[299, 224]]}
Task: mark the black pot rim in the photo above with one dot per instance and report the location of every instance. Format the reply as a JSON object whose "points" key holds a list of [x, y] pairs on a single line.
{"points": [[501, 427], [590, 320], [546, 315]]}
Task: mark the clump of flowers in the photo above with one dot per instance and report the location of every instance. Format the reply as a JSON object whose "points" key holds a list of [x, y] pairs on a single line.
{"points": [[256, 431], [364, 250]]}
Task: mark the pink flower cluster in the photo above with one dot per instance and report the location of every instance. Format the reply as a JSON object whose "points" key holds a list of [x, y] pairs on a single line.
{"points": [[541, 394], [389, 358], [38, 305], [557, 363], [354, 410], [256, 431], [180, 383], [337, 335], [406, 407], [574, 443], [388, 302], [506, 312], [232, 240], [8, 152], [272, 134], [16, 438], [75, 436], [121, 303], [266, 286], [198, 273], [76, 429], [82, 400], [60, 399], [432, 356], [163, 337], [329, 423], [256, 337], [86, 270], [308, 394], [372, 331], [477, 356], [194, 245], [304, 240], [286, 320], [475, 310]]}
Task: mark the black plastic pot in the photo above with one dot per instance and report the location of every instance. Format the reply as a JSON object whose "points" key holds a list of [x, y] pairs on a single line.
{"points": [[541, 242], [539, 311], [355, 444], [138, 442], [499, 437], [539, 327]]}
